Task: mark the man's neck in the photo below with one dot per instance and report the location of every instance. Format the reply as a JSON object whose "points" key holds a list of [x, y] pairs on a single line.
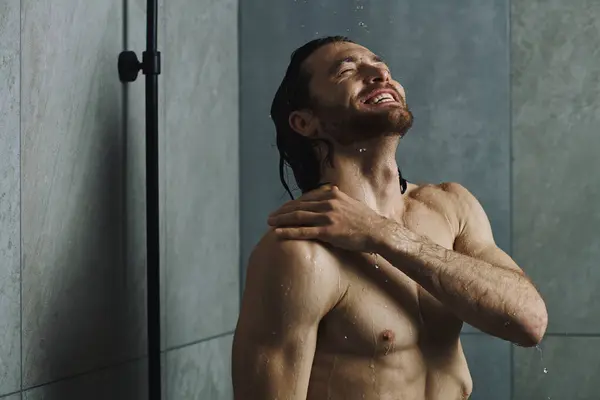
{"points": [[368, 172]]}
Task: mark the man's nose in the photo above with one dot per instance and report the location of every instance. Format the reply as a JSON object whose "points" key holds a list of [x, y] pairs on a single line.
{"points": [[375, 74]]}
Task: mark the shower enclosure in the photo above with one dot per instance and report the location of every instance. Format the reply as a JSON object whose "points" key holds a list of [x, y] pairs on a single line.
{"points": [[505, 100]]}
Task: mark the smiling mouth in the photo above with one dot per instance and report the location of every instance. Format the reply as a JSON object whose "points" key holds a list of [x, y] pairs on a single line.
{"points": [[383, 97]]}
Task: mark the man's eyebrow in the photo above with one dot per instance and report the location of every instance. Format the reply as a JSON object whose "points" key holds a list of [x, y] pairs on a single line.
{"points": [[336, 65], [352, 59]]}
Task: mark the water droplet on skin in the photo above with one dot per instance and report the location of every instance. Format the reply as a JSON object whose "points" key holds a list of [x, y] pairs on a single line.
{"points": [[362, 150], [345, 337]]}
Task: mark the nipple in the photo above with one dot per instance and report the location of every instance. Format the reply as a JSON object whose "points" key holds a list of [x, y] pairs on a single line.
{"points": [[388, 335]]}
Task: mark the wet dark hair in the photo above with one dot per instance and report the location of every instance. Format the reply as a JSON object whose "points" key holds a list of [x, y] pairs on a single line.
{"points": [[297, 151]]}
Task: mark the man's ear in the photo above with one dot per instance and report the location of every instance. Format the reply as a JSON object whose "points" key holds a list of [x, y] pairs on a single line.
{"points": [[304, 122]]}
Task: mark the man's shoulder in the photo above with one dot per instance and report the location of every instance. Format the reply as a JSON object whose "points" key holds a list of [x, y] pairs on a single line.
{"points": [[450, 199], [292, 258], [445, 194], [272, 246], [296, 269]]}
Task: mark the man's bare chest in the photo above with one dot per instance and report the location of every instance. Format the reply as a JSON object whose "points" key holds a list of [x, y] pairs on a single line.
{"points": [[382, 310]]}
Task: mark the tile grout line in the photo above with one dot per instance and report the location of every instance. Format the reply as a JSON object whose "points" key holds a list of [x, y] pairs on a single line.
{"points": [[200, 341], [572, 335], [548, 334], [162, 181], [240, 169], [7, 395], [511, 366], [21, 367], [85, 373]]}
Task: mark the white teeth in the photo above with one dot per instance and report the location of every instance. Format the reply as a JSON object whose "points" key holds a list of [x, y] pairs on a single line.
{"points": [[382, 98]]}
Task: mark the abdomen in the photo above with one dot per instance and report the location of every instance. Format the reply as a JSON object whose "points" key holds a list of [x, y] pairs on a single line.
{"points": [[406, 374], [351, 377]]}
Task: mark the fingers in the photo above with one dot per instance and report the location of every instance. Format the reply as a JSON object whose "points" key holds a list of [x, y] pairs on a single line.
{"points": [[302, 233], [324, 192], [315, 201], [299, 218], [311, 206]]}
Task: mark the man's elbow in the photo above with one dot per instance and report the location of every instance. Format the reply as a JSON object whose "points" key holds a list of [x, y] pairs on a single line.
{"points": [[534, 324]]}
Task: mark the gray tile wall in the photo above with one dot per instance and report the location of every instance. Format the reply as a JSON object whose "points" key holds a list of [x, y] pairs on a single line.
{"points": [[200, 371], [122, 382], [556, 75], [81, 294], [10, 243], [201, 214], [565, 368], [79, 151], [200, 197], [16, 396], [555, 109]]}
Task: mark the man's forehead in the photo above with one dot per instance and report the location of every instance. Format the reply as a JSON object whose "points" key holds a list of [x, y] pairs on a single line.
{"points": [[333, 53]]}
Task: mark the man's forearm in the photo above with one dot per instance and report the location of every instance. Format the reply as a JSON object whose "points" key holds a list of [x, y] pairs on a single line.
{"points": [[497, 300]]}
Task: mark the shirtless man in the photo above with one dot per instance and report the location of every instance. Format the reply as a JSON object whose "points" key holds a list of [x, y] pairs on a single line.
{"points": [[360, 288]]}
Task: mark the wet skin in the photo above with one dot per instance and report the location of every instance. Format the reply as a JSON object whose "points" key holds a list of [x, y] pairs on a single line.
{"points": [[330, 324], [320, 321], [379, 342]]}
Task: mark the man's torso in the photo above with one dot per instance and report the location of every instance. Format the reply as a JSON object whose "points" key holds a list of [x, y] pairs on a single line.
{"points": [[387, 338]]}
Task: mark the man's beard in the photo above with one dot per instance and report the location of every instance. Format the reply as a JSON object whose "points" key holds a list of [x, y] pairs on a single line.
{"points": [[349, 126]]}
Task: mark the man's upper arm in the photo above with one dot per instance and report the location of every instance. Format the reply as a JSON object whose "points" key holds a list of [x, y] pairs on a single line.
{"points": [[475, 237], [290, 286]]}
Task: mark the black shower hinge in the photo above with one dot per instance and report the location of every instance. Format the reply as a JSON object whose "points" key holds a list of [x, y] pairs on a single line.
{"points": [[129, 65]]}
